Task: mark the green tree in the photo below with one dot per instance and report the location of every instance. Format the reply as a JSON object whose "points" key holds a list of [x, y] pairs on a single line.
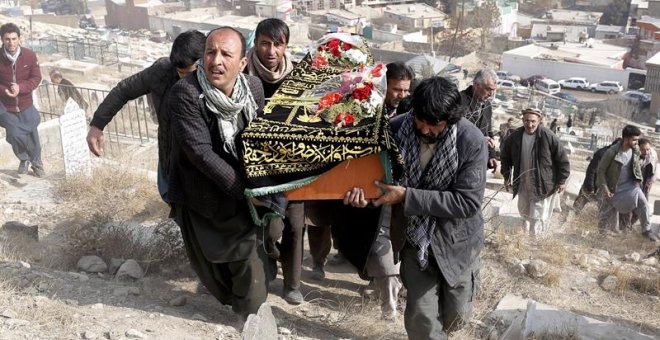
{"points": [[485, 18]]}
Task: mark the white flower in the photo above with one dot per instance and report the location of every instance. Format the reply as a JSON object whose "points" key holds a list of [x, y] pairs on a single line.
{"points": [[375, 99], [356, 56]]}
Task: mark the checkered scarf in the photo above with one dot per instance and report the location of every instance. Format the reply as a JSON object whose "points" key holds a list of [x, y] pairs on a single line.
{"points": [[228, 109], [438, 175]]}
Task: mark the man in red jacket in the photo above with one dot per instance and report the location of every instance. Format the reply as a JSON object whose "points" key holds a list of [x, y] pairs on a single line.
{"points": [[19, 76]]}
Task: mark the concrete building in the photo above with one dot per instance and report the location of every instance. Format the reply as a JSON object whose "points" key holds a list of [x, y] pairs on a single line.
{"points": [[305, 6], [559, 20], [383, 3], [344, 17], [609, 32], [649, 37], [280, 9], [654, 8], [592, 3], [335, 20], [390, 33], [578, 18], [508, 17], [134, 14], [594, 60], [206, 19], [652, 84], [412, 17], [202, 19], [639, 8], [558, 33]]}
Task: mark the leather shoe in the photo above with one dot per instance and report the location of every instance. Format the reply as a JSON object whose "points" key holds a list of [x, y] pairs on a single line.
{"points": [[38, 171], [292, 296], [318, 273], [23, 167]]}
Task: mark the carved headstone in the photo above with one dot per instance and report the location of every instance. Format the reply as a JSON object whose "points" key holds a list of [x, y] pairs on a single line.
{"points": [[73, 130]]}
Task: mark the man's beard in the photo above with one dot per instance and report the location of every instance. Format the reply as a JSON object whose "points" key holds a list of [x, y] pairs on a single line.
{"points": [[393, 104], [428, 138]]}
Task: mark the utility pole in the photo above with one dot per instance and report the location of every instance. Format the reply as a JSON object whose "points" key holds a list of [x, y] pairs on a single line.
{"points": [[458, 26], [432, 38]]}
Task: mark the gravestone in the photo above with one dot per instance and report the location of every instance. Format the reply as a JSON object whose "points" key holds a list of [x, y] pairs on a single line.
{"points": [[73, 131]]}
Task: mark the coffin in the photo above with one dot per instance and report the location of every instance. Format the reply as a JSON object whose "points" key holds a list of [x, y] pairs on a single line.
{"points": [[333, 184], [284, 147]]}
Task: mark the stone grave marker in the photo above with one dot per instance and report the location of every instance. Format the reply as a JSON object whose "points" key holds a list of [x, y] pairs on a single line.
{"points": [[73, 131]]}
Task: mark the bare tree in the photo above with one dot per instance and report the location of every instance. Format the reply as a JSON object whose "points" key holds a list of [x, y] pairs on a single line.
{"points": [[458, 21], [625, 111], [485, 18]]}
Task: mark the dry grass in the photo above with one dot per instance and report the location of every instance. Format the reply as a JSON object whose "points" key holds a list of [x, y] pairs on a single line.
{"points": [[45, 313], [106, 211], [508, 246], [42, 312], [553, 278], [632, 281], [111, 194], [582, 236], [17, 248], [150, 246], [554, 251]]}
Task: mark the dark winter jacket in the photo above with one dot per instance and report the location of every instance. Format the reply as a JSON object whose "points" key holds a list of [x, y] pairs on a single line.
{"points": [[551, 165], [27, 75], [203, 176], [480, 114], [589, 184], [154, 81], [459, 238]]}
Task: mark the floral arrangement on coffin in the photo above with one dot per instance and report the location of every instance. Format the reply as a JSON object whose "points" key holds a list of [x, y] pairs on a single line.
{"points": [[340, 50], [349, 97]]}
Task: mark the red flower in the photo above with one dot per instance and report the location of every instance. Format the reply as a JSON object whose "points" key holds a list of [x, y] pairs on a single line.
{"points": [[328, 100], [363, 93], [344, 118], [377, 71], [339, 118], [319, 62], [349, 118], [346, 46], [333, 44]]}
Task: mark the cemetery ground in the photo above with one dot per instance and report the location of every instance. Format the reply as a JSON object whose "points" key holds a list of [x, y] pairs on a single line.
{"points": [[49, 291]]}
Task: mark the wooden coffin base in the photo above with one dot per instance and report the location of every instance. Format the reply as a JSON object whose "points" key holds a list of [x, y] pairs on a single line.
{"points": [[360, 172]]}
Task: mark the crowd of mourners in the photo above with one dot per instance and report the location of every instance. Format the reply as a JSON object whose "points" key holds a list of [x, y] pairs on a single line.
{"points": [[431, 229]]}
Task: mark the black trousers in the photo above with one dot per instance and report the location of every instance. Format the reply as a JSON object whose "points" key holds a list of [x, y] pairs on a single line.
{"points": [[241, 284]]}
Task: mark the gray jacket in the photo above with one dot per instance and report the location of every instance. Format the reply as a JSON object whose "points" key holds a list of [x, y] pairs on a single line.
{"points": [[457, 242]]}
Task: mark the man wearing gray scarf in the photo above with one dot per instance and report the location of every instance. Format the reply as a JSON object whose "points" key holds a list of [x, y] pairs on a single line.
{"points": [[209, 109], [19, 76], [268, 59], [436, 228]]}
